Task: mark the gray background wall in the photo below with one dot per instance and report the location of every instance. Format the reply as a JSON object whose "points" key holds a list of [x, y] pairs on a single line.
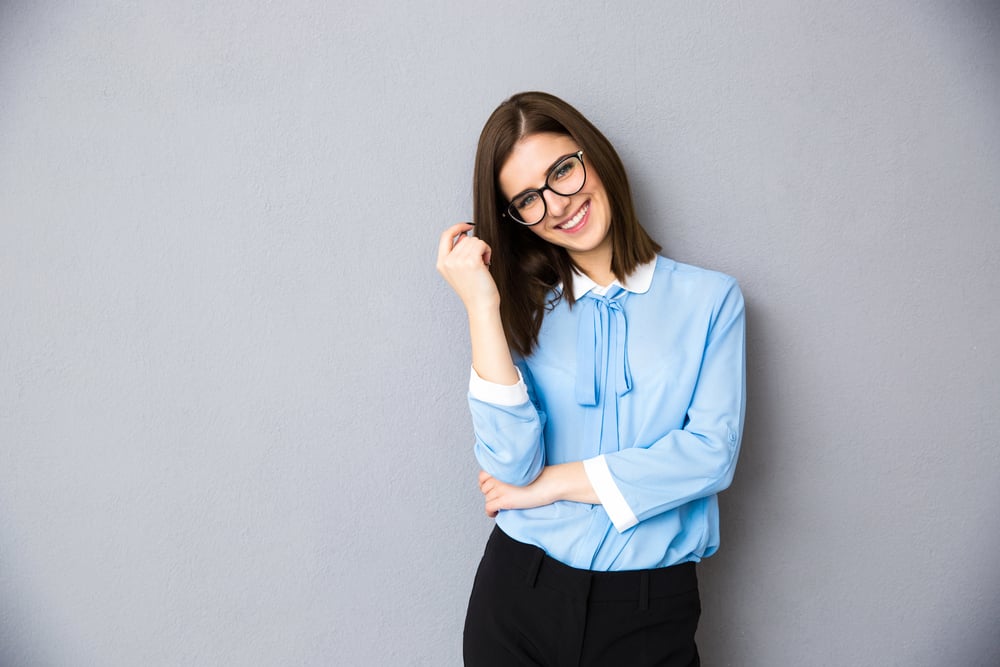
{"points": [[232, 388]]}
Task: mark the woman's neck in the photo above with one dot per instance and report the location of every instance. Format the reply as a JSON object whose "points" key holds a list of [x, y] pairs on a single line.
{"points": [[596, 265]]}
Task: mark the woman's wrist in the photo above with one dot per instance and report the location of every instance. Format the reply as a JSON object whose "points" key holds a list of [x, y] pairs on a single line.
{"points": [[483, 310], [566, 481]]}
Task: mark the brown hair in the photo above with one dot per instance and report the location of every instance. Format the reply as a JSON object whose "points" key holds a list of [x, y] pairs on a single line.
{"points": [[525, 267]]}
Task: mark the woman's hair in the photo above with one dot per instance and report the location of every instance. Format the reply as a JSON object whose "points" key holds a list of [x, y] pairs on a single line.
{"points": [[525, 267]]}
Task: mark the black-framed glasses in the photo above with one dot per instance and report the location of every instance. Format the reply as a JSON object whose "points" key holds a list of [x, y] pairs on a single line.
{"points": [[565, 178]]}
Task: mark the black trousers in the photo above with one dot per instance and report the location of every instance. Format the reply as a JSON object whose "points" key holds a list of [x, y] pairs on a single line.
{"points": [[529, 609]]}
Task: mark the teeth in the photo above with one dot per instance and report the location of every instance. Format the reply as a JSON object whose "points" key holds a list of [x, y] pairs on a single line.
{"points": [[575, 220]]}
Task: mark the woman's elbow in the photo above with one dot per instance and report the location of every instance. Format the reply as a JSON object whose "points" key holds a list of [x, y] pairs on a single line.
{"points": [[518, 469]]}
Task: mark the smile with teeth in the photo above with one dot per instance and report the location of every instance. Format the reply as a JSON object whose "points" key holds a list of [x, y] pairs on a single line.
{"points": [[571, 224]]}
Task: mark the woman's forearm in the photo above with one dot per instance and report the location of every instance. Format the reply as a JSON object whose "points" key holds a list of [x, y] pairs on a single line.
{"points": [[564, 481], [567, 481], [490, 355]]}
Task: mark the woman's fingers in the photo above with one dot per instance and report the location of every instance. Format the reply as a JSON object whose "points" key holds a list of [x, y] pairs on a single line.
{"points": [[459, 254], [470, 250], [447, 241], [493, 494], [487, 485], [463, 264]]}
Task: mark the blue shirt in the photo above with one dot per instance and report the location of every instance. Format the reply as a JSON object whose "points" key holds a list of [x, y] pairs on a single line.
{"points": [[645, 383]]}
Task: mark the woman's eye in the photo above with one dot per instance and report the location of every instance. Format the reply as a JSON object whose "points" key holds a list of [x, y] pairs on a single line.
{"points": [[563, 170], [526, 201]]}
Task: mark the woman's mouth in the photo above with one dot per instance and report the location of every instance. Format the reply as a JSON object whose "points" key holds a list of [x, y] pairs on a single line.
{"points": [[577, 221]]}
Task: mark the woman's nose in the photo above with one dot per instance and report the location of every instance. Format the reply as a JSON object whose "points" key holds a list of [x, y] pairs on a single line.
{"points": [[555, 203]]}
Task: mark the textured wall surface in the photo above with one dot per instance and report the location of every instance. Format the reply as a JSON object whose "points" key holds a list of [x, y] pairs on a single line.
{"points": [[232, 387]]}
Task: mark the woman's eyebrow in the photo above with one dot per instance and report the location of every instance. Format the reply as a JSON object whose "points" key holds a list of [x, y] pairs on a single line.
{"points": [[548, 170]]}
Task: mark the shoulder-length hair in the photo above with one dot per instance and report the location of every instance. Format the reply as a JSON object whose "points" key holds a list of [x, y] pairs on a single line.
{"points": [[527, 269]]}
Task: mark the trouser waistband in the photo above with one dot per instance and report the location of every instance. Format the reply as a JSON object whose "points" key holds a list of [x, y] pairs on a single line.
{"points": [[542, 570]]}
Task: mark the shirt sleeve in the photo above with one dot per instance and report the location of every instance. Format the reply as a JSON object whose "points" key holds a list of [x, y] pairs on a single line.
{"points": [[508, 425], [636, 483], [499, 394]]}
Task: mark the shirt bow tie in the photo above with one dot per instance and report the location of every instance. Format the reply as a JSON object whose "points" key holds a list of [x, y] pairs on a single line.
{"points": [[602, 335]]}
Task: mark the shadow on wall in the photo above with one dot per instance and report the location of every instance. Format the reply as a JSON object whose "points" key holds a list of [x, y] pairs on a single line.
{"points": [[22, 640]]}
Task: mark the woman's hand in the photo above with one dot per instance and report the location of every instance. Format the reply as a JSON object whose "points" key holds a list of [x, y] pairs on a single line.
{"points": [[502, 496], [464, 262], [563, 481]]}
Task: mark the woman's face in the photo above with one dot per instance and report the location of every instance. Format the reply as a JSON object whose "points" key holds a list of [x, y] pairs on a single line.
{"points": [[581, 222]]}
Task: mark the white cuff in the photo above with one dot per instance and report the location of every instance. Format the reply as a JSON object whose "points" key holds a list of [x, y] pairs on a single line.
{"points": [[611, 497], [507, 395]]}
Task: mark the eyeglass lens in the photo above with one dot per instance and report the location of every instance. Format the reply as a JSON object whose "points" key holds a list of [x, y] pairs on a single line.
{"points": [[565, 179]]}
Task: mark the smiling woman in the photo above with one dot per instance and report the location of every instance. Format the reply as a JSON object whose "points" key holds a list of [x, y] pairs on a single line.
{"points": [[607, 394]]}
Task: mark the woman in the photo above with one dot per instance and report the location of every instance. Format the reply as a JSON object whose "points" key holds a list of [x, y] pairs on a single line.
{"points": [[607, 395]]}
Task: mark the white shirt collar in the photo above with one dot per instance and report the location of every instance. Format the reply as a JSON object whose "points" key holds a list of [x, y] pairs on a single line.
{"points": [[637, 282]]}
